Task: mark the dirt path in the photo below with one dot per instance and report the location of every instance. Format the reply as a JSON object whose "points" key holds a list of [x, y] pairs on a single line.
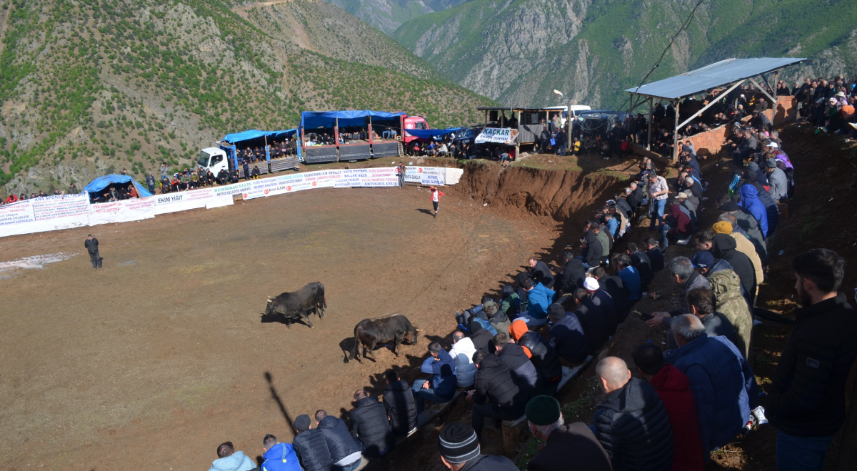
{"points": [[162, 355], [259, 4]]}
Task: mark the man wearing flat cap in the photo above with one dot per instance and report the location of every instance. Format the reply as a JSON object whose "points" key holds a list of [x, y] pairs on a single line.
{"points": [[459, 451], [778, 180], [562, 441]]}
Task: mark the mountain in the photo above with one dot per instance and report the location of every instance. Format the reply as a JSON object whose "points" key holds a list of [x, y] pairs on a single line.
{"points": [[518, 51], [89, 87], [388, 15]]}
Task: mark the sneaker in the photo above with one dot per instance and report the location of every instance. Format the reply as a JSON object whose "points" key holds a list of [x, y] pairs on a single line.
{"points": [[853, 125], [748, 427], [759, 414]]}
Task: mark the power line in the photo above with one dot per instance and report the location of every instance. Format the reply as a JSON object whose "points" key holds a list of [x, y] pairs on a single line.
{"points": [[684, 26]]}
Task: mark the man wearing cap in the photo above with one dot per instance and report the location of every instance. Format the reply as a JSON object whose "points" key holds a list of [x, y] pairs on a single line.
{"points": [[596, 326], [310, 446], [603, 301], [459, 451], [728, 223], [631, 424], [566, 336], [746, 221], [778, 181], [562, 442], [686, 206]]}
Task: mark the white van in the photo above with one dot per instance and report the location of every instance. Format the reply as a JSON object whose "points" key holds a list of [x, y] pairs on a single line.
{"points": [[214, 159], [565, 111]]}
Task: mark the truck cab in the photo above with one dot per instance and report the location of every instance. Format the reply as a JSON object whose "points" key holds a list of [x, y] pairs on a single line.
{"points": [[413, 122], [575, 111], [214, 159]]}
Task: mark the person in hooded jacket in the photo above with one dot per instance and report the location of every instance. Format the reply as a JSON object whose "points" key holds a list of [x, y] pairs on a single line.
{"points": [[230, 460], [673, 388], [369, 424], [462, 354], [539, 298], [496, 395], [727, 225], [772, 211], [345, 450], [524, 372], [631, 424], [400, 404], [716, 370], [745, 221], [510, 302], [310, 446], [543, 357], [278, 456], [751, 202], [724, 247], [496, 317], [566, 336]]}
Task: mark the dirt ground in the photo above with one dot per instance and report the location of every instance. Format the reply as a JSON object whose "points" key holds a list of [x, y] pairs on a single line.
{"points": [[154, 361]]}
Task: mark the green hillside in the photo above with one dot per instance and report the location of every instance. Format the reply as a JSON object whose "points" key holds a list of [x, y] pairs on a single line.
{"points": [[518, 52], [94, 86]]}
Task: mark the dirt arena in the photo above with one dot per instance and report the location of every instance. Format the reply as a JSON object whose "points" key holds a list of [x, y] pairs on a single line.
{"points": [[152, 362]]}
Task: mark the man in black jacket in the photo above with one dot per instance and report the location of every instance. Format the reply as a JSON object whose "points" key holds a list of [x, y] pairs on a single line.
{"points": [[562, 441], [593, 250], [806, 400], [571, 277], [685, 276], [523, 371], [566, 336], [640, 261], [632, 424], [369, 424], [310, 446], [400, 404], [596, 326], [540, 272], [724, 247], [496, 395], [91, 245], [344, 449]]}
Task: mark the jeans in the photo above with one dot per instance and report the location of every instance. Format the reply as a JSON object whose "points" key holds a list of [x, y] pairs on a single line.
{"points": [[349, 467], [423, 395], [657, 209], [665, 241], [96, 259], [801, 453]]}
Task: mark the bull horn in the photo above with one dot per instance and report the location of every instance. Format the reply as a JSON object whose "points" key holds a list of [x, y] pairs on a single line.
{"points": [[419, 330], [270, 299]]}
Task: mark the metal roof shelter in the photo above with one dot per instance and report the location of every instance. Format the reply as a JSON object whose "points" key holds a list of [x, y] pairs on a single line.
{"points": [[729, 73]]}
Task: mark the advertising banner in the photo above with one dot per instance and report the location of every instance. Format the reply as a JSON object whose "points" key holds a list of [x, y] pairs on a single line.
{"points": [[425, 175], [497, 136]]}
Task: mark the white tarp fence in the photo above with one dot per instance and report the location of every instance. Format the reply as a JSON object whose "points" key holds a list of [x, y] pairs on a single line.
{"points": [[66, 211]]}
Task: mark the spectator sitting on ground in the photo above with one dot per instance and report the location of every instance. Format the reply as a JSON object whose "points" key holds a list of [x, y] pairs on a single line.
{"points": [[523, 371], [630, 276], [279, 456], [496, 395], [631, 424], [459, 450], [677, 226], [370, 425], [540, 272], [230, 460], [603, 301], [673, 388], [562, 441], [640, 261], [572, 274], [481, 337], [684, 275], [592, 249], [655, 254], [510, 302], [441, 387], [566, 336], [400, 404], [806, 400], [611, 295], [462, 354], [255, 173], [596, 326], [539, 298], [716, 370], [497, 318], [344, 449], [543, 357]]}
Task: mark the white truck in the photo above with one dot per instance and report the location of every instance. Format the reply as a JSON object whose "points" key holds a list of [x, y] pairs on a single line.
{"points": [[214, 159]]}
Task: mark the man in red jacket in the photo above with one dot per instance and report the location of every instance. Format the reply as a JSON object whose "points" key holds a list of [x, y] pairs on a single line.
{"points": [[435, 198], [673, 388]]}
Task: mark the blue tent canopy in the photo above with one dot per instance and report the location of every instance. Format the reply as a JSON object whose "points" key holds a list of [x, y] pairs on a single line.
{"points": [[101, 183], [255, 134], [431, 133], [326, 119]]}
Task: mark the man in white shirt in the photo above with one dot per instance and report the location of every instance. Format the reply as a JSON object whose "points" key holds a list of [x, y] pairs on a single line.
{"points": [[462, 354]]}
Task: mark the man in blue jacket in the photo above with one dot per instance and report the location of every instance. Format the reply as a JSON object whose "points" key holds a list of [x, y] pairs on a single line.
{"points": [[722, 383], [540, 298], [442, 385], [279, 456]]}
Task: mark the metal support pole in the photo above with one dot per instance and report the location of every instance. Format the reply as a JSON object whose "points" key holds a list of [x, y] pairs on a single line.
{"points": [[773, 100], [649, 134], [675, 132], [733, 87]]}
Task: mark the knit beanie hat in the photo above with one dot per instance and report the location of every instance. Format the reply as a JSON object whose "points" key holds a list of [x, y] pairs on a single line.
{"points": [[556, 311], [458, 443], [302, 422], [722, 227], [543, 410]]}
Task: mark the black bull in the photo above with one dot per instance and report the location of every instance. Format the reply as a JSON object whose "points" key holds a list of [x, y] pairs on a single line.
{"points": [[299, 304], [371, 332]]}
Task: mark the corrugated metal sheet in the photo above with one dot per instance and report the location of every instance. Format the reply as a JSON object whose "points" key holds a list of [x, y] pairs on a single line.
{"points": [[712, 76]]}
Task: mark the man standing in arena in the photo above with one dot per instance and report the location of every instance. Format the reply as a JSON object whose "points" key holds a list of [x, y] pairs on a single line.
{"points": [[435, 198], [91, 244]]}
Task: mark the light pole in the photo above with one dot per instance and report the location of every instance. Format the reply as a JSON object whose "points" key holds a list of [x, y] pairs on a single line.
{"points": [[567, 118]]}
